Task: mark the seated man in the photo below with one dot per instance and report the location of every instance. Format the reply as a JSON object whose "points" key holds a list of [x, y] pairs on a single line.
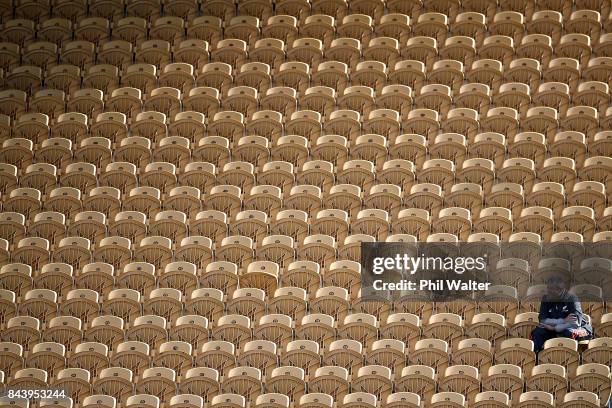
{"points": [[560, 316]]}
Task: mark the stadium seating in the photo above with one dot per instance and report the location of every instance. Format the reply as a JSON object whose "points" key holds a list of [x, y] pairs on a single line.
{"points": [[185, 187]]}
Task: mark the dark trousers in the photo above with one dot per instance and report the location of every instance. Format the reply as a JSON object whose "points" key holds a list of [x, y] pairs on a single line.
{"points": [[539, 336]]}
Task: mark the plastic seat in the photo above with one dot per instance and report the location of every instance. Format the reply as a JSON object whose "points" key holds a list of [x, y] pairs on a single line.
{"points": [[14, 226], [178, 75], [254, 74], [208, 26], [290, 301], [199, 381], [383, 49], [229, 124], [384, 122], [25, 78], [344, 49], [581, 398], [319, 328], [550, 378], [161, 380], [228, 401], [431, 24], [536, 46], [47, 356], [282, 27], [173, 149], [40, 53], [302, 353], [546, 22], [275, 328], [425, 196], [132, 29], [260, 354], [32, 126], [203, 99], [154, 52], [151, 330], [331, 380], [243, 381], [357, 172], [429, 352], [123, 303], [385, 197], [347, 353], [316, 400], [474, 352], [280, 99], [206, 301], [361, 327], [357, 26], [155, 249], [179, 275], [477, 96], [186, 199], [541, 398], [230, 51], [211, 149], [117, 53], [22, 330], [141, 76]]}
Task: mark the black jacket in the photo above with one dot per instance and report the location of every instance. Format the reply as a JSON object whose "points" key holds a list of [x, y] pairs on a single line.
{"points": [[560, 308]]}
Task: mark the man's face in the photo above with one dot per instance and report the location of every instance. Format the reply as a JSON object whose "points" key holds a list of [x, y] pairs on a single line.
{"points": [[556, 285]]}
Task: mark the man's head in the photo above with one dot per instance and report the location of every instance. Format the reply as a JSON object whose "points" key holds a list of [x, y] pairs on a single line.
{"points": [[556, 285]]}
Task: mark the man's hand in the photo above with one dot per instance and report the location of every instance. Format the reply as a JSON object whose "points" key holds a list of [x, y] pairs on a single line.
{"points": [[571, 318], [546, 326]]}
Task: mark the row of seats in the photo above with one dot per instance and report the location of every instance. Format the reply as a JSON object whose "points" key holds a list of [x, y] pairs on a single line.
{"points": [[260, 361], [264, 213], [541, 131], [442, 332], [367, 169], [474, 101], [344, 226], [288, 305], [75, 10], [167, 305], [226, 9], [186, 186], [216, 155], [202, 105], [72, 139], [358, 26], [321, 400], [325, 244], [285, 162], [511, 277], [355, 186], [166, 34], [244, 383], [350, 345], [332, 157], [194, 262], [266, 61], [260, 358]]}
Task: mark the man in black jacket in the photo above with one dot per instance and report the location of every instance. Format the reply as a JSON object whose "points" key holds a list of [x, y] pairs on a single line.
{"points": [[560, 316]]}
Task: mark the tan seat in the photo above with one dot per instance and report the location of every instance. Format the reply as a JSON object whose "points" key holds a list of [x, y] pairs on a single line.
{"points": [[550, 378]]}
